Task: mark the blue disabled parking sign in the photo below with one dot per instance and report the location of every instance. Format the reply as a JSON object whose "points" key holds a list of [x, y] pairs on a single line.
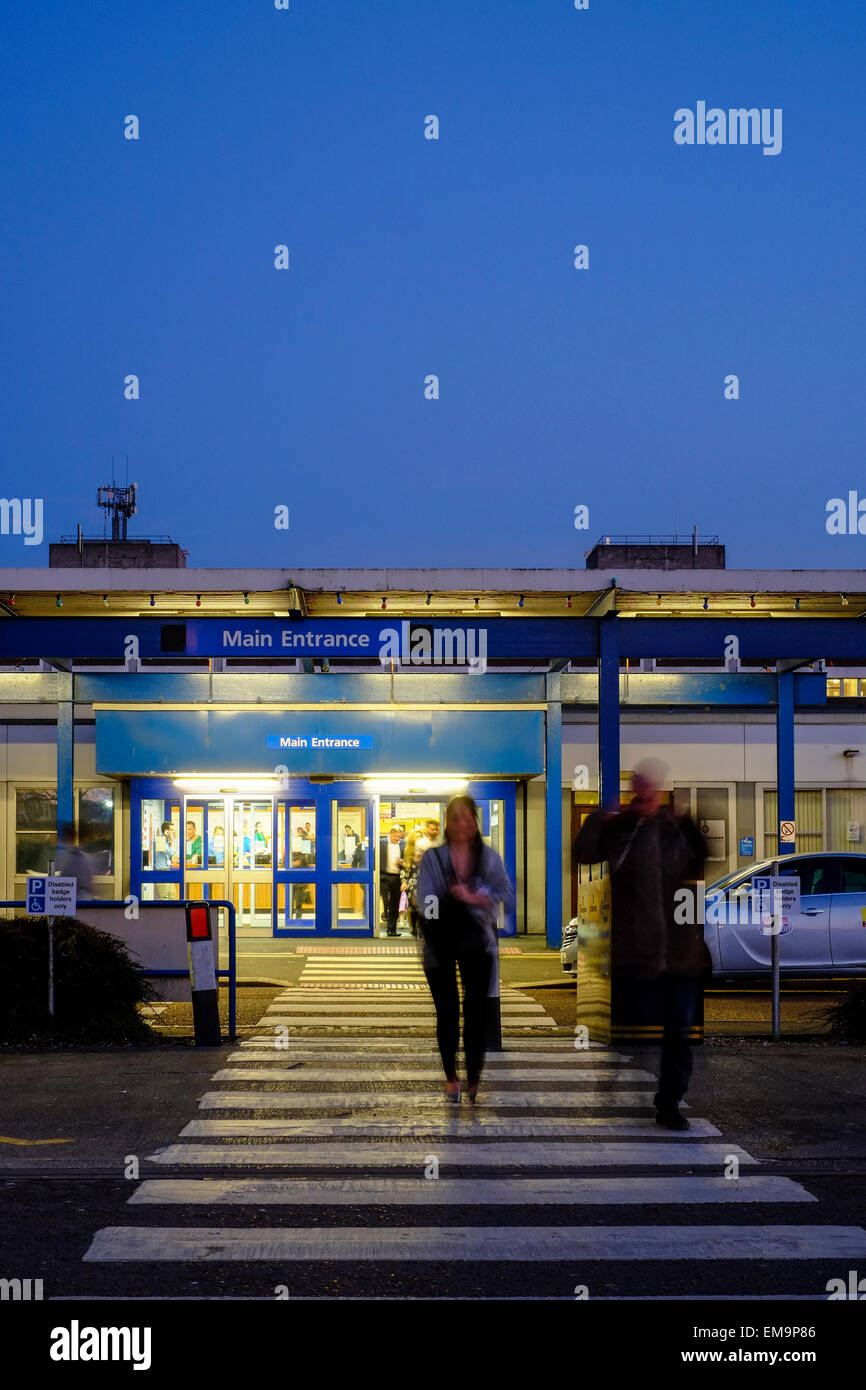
{"points": [[49, 896], [35, 897], [777, 902]]}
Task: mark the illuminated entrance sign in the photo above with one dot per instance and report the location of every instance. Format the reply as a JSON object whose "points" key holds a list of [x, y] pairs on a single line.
{"points": [[307, 641], [494, 639], [318, 741]]}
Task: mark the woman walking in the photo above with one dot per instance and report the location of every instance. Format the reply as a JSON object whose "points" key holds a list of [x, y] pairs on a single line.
{"points": [[409, 883], [460, 886]]}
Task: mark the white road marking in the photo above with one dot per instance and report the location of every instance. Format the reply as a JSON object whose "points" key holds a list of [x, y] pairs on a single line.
{"points": [[417, 1056], [384, 1045], [524, 1243], [403, 1021], [424, 1073], [419, 1192], [436, 1127], [372, 992], [489, 1155], [383, 1006], [432, 1098]]}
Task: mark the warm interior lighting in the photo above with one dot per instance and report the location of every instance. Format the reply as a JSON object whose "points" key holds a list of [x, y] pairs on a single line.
{"points": [[415, 786], [227, 785]]}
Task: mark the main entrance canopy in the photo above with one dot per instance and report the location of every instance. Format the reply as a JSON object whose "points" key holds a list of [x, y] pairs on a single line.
{"points": [[327, 677]]}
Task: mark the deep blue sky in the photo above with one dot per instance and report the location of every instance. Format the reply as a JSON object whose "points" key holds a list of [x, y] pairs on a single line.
{"points": [[454, 257]]}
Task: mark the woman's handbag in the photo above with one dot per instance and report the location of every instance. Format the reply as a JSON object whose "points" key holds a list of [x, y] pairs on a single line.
{"points": [[404, 902]]}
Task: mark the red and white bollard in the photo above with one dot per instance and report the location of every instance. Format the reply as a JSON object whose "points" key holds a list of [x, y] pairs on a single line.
{"points": [[202, 976]]}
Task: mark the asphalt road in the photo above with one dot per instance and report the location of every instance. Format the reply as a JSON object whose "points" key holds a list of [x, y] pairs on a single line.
{"points": [[562, 1155], [798, 1109]]}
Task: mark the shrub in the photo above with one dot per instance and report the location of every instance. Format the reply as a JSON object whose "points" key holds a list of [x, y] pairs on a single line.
{"points": [[847, 1017], [97, 985]]}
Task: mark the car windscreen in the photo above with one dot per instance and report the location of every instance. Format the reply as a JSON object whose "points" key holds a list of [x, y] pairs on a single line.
{"points": [[733, 880]]}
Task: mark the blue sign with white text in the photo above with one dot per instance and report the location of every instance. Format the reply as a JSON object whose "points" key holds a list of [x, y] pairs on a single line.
{"points": [[318, 741], [747, 846]]}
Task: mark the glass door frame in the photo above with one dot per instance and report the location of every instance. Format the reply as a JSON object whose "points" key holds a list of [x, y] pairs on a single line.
{"points": [[483, 793], [325, 877], [324, 874], [234, 877]]}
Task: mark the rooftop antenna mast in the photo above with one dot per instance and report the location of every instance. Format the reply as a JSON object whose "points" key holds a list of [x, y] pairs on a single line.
{"points": [[120, 504]]}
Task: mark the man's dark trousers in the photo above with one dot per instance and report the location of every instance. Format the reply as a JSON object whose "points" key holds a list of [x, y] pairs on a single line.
{"points": [[390, 887], [670, 1002]]}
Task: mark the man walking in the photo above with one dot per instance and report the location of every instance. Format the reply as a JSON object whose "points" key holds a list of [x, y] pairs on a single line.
{"points": [[658, 955], [390, 864]]}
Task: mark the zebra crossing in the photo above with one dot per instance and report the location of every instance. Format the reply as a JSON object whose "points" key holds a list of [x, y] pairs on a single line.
{"points": [[398, 967], [383, 1190], [352, 1000]]}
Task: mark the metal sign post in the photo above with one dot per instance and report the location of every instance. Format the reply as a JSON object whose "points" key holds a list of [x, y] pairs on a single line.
{"points": [[775, 954], [51, 967], [777, 901]]}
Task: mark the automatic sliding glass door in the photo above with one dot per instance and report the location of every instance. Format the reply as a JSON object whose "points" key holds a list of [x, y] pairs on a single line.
{"points": [[228, 853], [252, 867]]}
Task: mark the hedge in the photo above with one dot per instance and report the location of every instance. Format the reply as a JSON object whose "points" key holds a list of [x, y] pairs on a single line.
{"points": [[97, 985]]}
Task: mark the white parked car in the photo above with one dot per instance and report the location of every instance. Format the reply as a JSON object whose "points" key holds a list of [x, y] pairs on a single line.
{"points": [[827, 936]]}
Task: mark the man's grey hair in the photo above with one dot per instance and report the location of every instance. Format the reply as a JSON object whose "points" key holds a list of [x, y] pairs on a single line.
{"points": [[652, 770]]}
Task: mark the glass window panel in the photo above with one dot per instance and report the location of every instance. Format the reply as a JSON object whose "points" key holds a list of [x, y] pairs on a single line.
{"points": [[33, 851], [296, 909], [35, 829], [216, 835], [160, 835], [350, 905], [349, 836], [281, 834], [816, 875], [262, 834], [253, 834], [302, 900], [252, 900], [854, 875], [36, 808], [193, 836], [160, 892], [302, 836], [496, 837], [96, 826]]}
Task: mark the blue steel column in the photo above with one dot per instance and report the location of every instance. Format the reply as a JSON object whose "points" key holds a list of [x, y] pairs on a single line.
{"points": [[784, 753], [608, 711], [66, 759], [553, 811]]}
